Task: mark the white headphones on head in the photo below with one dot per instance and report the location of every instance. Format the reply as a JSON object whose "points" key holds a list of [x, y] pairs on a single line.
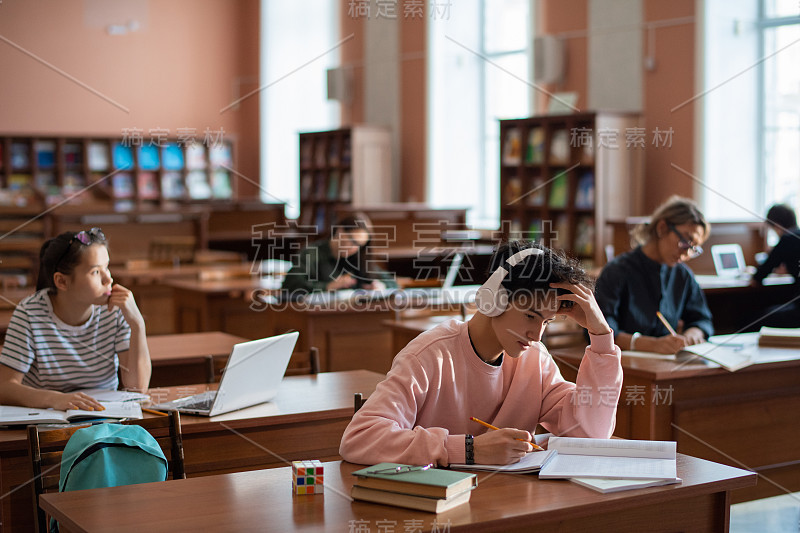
{"points": [[491, 298]]}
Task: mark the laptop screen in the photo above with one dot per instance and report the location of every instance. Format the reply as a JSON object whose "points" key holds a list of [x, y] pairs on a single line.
{"points": [[728, 259]]}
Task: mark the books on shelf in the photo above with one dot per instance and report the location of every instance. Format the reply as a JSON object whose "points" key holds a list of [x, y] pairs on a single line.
{"points": [[559, 191], [430, 489], [779, 337], [197, 185], [537, 194], [584, 194], [14, 415], [536, 144], [610, 458], [98, 156], [306, 154], [512, 147], [148, 157], [147, 186], [333, 185], [561, 230], [122, 185], [45, 154], [20, 156], [73, 182], [172, 157], [345, 188], [195, 156], [172, 185], [513, 190], [584, 236], [122, 156], [18, 182], [559, 147], [219, 155], [306, 182], [221, 184], [73, 154]]}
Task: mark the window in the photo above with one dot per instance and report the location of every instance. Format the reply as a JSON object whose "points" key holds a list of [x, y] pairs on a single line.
{"points": [[751, 110], [294, 41], [479, 71]]}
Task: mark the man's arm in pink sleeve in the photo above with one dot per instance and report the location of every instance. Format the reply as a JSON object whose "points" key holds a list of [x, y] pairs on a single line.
{"points": [[589, 407], [383, 430]]}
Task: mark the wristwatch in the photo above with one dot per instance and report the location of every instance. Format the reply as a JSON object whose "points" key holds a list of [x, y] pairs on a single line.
{"points": [[469, 450], [634, 337]]}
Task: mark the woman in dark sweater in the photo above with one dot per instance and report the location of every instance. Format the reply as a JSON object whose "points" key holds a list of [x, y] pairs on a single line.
{"points": [[636, 285]]}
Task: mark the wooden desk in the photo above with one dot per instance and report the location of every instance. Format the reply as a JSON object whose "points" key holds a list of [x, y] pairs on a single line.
{"points": [[732, 301], [405, 330], [187, 358], [348, 335], [263, 500], [747, 418], [222, 305], [305, 421]]}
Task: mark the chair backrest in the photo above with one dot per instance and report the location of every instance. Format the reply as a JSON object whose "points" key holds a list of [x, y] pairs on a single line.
{"points": [[303, 363], [46, 448], [358, 401]]}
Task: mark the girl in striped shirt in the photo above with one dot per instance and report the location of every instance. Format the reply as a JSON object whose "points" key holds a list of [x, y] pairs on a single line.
{"points": [[78, 331]]}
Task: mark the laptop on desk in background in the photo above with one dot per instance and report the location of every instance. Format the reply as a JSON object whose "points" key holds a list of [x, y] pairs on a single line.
{"points": [[252, 376], [728, 260]]}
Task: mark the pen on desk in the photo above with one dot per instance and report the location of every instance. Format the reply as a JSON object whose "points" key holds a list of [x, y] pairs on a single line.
{"points": [[485, 424], [666, 324], [154, 412]]}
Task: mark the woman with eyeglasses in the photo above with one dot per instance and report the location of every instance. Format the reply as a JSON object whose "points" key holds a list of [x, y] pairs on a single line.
{"points": [[654, 278], [340, 262], [75, 332]]}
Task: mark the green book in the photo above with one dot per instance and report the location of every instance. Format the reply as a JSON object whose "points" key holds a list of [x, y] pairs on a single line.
{"points": [[431, 483]]}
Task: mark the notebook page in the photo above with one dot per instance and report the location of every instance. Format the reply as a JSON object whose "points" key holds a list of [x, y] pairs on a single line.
{"points": [[570, 466]]}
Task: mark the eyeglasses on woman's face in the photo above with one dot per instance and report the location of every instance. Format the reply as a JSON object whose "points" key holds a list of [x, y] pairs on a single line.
{"points": [[685, 244]]}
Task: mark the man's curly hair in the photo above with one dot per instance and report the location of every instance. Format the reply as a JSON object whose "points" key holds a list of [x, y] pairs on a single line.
{"points": [[537, 272]]}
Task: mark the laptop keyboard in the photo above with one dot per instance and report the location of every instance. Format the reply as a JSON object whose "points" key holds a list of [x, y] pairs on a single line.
{"points": [[202, 401]]}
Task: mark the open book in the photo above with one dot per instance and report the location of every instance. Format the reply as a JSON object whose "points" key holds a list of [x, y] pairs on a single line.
{"points": [[731, 352], [610, 458], [14, 415]]}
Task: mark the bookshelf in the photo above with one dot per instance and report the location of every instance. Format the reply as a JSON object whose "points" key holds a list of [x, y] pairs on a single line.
{"points": [[560, 181], [47, 170], [344, 167]]}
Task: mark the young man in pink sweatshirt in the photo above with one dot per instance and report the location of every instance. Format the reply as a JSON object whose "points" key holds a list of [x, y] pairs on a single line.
{"points": [[494, 368]]}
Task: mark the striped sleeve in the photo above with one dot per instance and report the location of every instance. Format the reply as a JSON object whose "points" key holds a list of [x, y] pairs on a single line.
{"points": [[18, 350]]}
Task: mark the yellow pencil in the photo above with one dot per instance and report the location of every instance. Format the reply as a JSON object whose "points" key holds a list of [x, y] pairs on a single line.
{"points": [[154, 412], [666, 324], [485, 424]]}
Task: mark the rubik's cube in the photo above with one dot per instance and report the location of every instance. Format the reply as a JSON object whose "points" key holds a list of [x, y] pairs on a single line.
{"points": [[307, 477]]}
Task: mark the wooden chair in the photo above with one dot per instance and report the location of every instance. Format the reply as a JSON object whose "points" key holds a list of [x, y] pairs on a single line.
{"points": [[303, 363], [46, 448], [358, 401]]}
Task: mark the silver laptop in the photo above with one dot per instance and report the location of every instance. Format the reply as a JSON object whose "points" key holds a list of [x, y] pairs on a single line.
{"points": [[252, 376]]}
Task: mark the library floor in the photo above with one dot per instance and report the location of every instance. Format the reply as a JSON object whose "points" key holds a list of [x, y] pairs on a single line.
{"points": [[780, 514]]}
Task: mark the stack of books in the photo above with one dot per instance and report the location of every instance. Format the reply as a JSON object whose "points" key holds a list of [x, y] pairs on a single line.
{"points": [[779, 337], [414, 487]]}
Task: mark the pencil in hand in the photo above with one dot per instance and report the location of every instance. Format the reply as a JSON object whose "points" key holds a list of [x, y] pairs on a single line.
{"points": [[666, 324], [485, 424]]}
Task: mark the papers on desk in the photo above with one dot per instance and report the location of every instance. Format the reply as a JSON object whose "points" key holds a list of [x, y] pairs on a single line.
{"points": [[104, 395], [731, 352], [606, 485], [611, 458]]}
